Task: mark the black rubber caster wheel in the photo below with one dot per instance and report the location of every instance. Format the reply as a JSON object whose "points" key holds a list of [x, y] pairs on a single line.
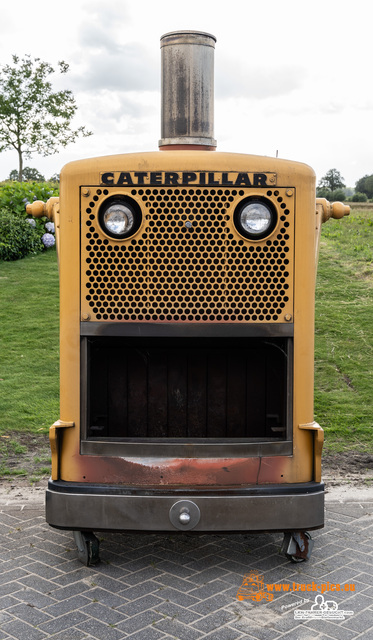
{"points": [[297, 546], [88, 547]]}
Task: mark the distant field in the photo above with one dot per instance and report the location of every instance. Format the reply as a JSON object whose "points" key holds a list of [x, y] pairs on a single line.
{"points": [[29, 366], [361, 205]]}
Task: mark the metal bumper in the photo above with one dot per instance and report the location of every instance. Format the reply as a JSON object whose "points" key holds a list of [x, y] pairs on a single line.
{"points": [[114, 508]]}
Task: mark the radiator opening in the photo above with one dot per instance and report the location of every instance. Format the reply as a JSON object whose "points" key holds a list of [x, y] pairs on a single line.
{"points": [[187, 389]]}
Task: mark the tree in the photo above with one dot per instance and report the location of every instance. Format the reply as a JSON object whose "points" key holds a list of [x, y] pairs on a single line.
{"points": [[331, 181], [28, 173], [33, 118], [365, 185]]}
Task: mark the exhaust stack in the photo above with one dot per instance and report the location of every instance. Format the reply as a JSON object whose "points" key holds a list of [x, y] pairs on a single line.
{"points": [[187, 107]]}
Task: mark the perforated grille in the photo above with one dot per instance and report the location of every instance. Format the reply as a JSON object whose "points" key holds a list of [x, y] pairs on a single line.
{"points": [[187, 263]]}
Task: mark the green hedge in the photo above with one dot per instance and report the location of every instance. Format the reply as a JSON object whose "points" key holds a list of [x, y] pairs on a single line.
{"points": [[17, 237], [20, 233], [15, 195]]}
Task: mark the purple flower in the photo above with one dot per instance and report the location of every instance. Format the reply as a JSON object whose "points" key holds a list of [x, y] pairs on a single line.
{"points": [[48, 240], [50, 227], [31, 221]]}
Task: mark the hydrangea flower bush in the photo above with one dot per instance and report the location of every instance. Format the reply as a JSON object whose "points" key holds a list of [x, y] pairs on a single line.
{"points": [[48, 240], [21, 234]]}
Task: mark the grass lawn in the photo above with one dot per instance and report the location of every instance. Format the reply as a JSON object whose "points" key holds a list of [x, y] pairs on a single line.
{"points": [[344, 333], [29, 359], [29, 344]]}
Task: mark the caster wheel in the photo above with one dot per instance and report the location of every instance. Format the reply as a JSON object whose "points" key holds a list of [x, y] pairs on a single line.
{"points": [[88, 547], [295, 558], [297, 546]]}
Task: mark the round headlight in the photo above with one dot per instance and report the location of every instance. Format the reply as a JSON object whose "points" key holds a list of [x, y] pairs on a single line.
{"points": [[120, 217], [255, 218]]}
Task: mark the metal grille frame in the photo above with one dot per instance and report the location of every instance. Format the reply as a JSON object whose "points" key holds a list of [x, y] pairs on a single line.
{"points": [[187, 263]]}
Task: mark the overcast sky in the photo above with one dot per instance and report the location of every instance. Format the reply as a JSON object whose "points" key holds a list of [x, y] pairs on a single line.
{"points": [[290, 76]]}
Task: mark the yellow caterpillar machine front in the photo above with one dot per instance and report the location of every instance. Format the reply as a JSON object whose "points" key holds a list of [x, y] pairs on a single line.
{"points": [[187, 332]]}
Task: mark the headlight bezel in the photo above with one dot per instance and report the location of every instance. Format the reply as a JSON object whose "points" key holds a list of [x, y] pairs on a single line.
{"points": [[255, 200], [128, 203]]}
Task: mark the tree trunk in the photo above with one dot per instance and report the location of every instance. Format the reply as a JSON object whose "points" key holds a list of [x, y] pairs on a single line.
{"points": [[20, 166]]}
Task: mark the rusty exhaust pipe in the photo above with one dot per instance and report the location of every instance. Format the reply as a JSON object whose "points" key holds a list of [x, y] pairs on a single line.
{"points": [[187, 104]]}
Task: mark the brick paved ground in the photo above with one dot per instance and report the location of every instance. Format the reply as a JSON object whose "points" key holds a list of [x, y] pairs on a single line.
{"points": [[150, 587]]}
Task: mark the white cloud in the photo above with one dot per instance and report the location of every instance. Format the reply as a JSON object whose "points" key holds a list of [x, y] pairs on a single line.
{"points": [[287, 78], [237, 78], [123, 68]]}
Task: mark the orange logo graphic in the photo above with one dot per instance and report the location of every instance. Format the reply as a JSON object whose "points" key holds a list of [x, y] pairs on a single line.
{"points": [[252, 588]]}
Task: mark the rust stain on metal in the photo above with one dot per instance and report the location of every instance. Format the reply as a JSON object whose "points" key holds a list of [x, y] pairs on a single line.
{"points": [[302, 551], [274, 469], [162, 471]]}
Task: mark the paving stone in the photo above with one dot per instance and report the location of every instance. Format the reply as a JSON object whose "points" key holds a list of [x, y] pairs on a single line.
{"points": [[105, 582], [11, 576], [177, 583], [178, 570], [225, 633], [38, 584], [49, 559], [367, 591], [367, 635], [303, 633], [257, 632], [105, 614], [204, 607], [334, 630], [342, 575], [147, 634], [131, 565], [67, 605], [96, 629], [177, 629], [209, 589], [356, 602], [9, 563], [76, 588], [181, 614], [203, 551], [9, 587], [213, 621], [365, 578], [22, 631], [7, 601], [42, 570], [71, 619], [5, 617], [34, 598], [140, 590], [67, 577], [133, 578], [105, 597], [176, 596], [141, 604], [212, 573], [71, 634], [30, 614], [159, 586], [139, 621], [171, 555], [361, 621]]}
